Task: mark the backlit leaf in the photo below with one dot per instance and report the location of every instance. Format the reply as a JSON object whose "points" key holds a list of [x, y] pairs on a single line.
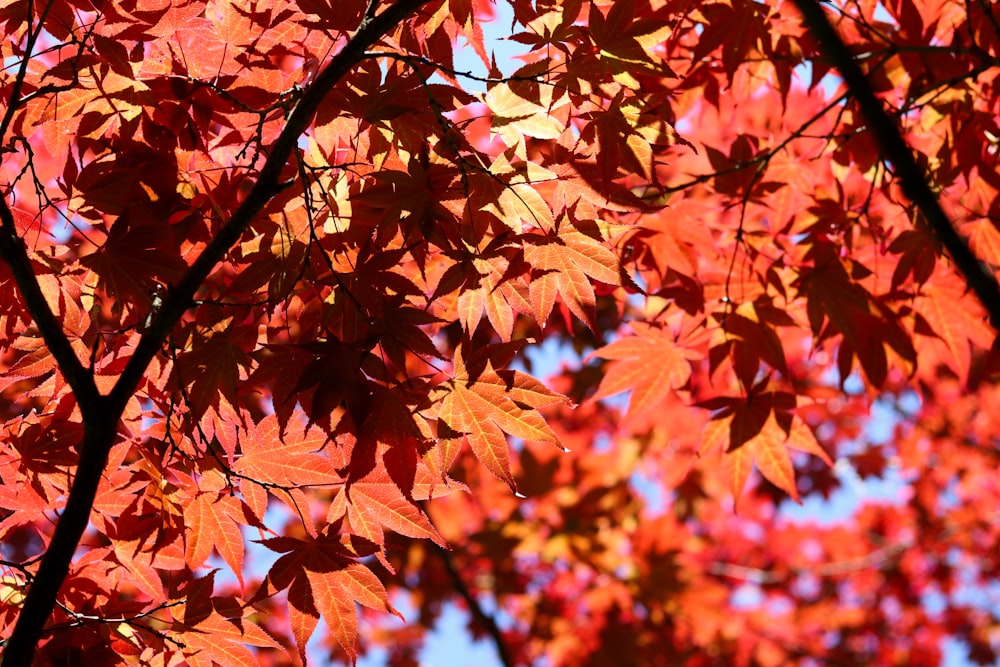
{"points": [[650, 364], [486, 409]]}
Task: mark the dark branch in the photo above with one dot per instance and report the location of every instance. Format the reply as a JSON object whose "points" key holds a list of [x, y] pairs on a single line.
{"points": [[478, 613], [913, 181], [14, 253], [267, 186], [102, 414], [15, 101], [100, 430]]}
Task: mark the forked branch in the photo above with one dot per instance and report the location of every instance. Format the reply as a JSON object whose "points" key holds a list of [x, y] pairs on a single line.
{"points": [[102, 413]]}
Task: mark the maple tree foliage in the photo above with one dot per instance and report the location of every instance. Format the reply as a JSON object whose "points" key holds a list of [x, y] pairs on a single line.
{"points": [[273, 273]]}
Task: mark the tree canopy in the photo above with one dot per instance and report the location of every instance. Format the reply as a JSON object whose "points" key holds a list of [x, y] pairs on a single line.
{"points": [[280, 284]]}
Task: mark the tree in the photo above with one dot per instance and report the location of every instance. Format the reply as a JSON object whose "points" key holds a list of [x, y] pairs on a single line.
{"points": [[270, 272]]}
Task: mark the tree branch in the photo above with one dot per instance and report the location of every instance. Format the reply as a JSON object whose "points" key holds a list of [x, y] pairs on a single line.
{"points": [[476, 609], [15, 100], [102, 414], [912, 180], [14, 253], [100, 430], [267, 186]]}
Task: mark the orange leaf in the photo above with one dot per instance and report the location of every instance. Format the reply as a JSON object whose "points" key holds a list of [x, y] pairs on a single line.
{"points": [[222, 641], [565, 265], [492, 405], [801, 438], [382, 504], [650, 364], [737, 465], [338, 611], [214, 520], [772, 459], [956, 326], [290, 459], [323, 578]]}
